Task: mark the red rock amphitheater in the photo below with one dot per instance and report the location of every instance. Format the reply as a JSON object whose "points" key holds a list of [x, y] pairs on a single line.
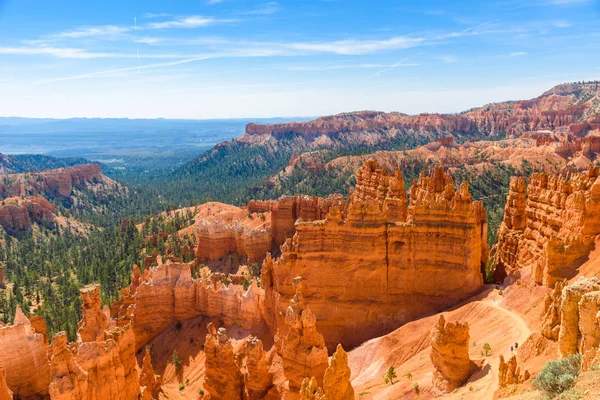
{"points": [[348, 289]]}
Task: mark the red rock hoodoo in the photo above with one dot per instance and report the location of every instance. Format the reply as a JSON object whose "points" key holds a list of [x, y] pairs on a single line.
{"points": [[450, 354]]}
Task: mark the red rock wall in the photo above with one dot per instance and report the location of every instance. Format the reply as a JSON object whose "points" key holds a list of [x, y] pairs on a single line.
{"points": [[553, 230], [365, 276], [168, 293]]}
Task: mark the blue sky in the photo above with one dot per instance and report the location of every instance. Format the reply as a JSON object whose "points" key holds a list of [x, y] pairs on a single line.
{"points": [[241, 58]]}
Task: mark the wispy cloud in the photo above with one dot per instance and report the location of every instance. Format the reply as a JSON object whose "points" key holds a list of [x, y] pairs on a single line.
{"points": [[211, 2], [517, 54], [106, 30], [193, 21], [448, 59], [149, 40], [356, 47], [120, 70], [265, 9], [158, 15], [60, 52], [401, 63]]}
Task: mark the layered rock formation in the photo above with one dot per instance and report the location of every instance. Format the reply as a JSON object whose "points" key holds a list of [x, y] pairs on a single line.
{"points": [[553, 230], [24, 358], [336, 381], [509, 373], [94, 321], [371, 270], [166, 294], [450, 354], [578, 327], [57, 182], [558, 108], [288, 209], [223, 379], [303, 348], [18, 215]]}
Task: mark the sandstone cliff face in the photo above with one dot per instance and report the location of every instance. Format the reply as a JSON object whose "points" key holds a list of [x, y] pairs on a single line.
{"points": [[450, 354], [553, 230], [57, 182], [509, 373], [367, 270], [24, 358], [303, 348], [223, 379], [288, 209], [5, 392], [166, 294], [578, 327], [557, 108]]}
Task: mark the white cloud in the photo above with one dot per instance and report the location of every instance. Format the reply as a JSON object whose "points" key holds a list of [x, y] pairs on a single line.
{"points": [[193, 21], [568, 2], [211, 2], [107, 30], [60, 52], [148, 40], [265, 9], [517, 54]]}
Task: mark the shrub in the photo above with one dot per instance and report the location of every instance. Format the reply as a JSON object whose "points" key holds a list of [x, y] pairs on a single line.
{"points": [[487, 349], [558, 375], [416, 387], [181, 386], [176, 360], [390, 375], [201, 392]]}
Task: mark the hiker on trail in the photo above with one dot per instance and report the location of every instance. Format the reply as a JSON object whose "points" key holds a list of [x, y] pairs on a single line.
{"points": [[516, 345], [511, 349]]}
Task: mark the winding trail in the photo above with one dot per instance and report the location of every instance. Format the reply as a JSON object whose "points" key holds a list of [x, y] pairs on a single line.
{"points": [[524, 333]]}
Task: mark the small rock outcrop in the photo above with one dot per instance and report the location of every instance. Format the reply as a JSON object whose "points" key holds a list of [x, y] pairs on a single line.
{"points": [[510, 374], [258, 380], [336, 381], [94, 321], [303, 348], [450, 354], [5, 392], [69, 380], [24, 358], [149, 381], [223, 379]]}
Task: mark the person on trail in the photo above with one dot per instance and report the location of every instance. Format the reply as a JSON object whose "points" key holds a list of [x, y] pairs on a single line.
{"points": [[511, 349], [516, 345]]}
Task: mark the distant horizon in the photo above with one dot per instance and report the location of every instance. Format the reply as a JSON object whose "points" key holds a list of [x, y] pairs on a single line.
{"points": [[249, 59]]}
